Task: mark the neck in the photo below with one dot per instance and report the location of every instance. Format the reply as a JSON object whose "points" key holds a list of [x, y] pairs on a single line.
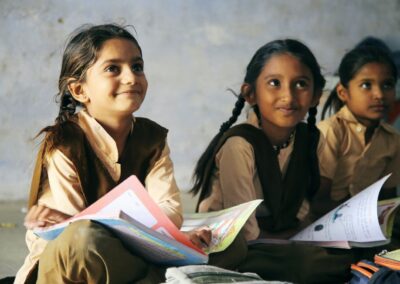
{"points": [[277, 135], [118, 129]]}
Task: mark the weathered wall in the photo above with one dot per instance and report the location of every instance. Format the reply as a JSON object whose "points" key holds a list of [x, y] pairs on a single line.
{"points": [[193, 51]]}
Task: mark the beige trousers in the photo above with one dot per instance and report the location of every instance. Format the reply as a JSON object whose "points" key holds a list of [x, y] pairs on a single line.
{"points": [[86, 252]]}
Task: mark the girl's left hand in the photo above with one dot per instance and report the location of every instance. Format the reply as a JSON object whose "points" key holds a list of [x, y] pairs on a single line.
{"points": [[200, 237]]}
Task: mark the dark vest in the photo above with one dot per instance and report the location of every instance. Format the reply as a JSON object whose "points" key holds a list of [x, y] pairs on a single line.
{"points": [[283, 196], [142, 150]]}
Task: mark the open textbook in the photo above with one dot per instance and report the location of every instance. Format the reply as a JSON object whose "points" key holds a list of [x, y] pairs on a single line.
{"points": [[361, 221], [143, 227]]}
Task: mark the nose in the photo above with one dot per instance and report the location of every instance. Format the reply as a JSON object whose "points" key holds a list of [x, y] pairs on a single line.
{"points": [[128, 77], [287, 93], [378, 93]]}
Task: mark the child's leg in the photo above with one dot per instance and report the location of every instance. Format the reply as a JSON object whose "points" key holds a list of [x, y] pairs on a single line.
{"points": [[86, 252], [231, 257], [300, 263]]}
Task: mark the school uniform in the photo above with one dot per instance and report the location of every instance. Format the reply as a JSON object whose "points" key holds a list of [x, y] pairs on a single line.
{"points": [[349, 162], [243, 170], [235, 179], [79, 171]]}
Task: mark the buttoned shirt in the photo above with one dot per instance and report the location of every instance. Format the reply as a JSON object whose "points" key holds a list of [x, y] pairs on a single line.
{"points": [[352, 164], [235, 180]]}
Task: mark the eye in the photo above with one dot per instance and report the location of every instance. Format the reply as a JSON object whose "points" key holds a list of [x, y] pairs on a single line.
{"points": [[274, 83], [138, 67], [366, 85], [112, 69], [301, 84], [388, 85]]}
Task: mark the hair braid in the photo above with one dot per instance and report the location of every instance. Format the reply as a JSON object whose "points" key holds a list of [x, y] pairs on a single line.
{"points": [[313, 158], [67, 107], [201, 176], [235, 114]]}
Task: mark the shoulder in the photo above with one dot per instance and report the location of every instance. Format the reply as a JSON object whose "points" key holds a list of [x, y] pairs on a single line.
{"points": [[65, 135], [390, 130], [234, 147], [236, 151], [148, 126], [333, 125]]}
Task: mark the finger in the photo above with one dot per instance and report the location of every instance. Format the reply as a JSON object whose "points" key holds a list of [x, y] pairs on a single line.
{"points": [[205, 236], [197, 242], [44, 214]]}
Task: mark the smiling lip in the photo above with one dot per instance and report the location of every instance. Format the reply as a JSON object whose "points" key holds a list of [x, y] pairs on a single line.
{"points": [[378, 108], [287, 110], [129, 92]]}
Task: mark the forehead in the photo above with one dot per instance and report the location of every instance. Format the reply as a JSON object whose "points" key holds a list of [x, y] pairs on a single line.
{"points": [[374, 70], [118, 48], [285, 64]]}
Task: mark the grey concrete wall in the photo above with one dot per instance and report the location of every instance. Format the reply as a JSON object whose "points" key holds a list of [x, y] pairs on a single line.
{"points": [[193, 51]]}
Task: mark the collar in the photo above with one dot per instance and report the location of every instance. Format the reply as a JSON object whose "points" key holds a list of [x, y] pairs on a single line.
{"points": [[345, 114], [101, 141]]}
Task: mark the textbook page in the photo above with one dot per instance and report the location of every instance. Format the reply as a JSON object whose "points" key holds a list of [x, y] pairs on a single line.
{"points": [[131, 198], [354, 221], [225, 224]]}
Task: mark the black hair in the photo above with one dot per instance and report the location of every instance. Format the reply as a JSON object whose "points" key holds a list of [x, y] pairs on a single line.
{"points": [[80, 53], [350, 65], [297, 49]]}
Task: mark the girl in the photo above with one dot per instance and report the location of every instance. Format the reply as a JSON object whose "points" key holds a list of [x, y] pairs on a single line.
{"points": [[360, 147], [86, 153], [261, 158], [274, 156]]}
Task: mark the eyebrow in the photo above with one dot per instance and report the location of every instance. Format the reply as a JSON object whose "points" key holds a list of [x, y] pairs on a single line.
{"points": [[269, 76], [117, 60]]}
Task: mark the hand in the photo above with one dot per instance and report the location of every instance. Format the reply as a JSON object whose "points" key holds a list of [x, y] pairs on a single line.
{"points": [[41, 216], [200, 237]]}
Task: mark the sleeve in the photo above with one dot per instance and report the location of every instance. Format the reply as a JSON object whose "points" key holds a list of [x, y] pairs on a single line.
{"points": [[162, 187], [328, 149], [63, 191], [235, 161], [394, 167]]}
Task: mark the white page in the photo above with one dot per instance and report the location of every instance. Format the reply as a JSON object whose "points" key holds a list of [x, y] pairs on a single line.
{"points": [[355, 220], [129, 203]]}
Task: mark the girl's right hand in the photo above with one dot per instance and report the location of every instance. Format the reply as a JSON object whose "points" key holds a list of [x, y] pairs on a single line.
{"points": [[40, 216]]}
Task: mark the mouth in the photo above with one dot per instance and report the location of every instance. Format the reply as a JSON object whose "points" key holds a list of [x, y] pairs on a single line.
{"points": [[378, 108], [130, 92], [287, 110]]}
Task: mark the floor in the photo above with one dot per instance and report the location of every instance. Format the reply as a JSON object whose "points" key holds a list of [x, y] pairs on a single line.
{"points": [[12, 233]]}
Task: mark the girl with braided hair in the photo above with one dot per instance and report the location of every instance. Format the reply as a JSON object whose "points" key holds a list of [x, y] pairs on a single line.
{"points": [[88, 152], [274, 156]]}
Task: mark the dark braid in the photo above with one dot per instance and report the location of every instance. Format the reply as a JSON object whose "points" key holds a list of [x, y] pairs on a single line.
{"points": [[332, 104], [313, 158], [201, 176], [67, 107], [235, 114]]}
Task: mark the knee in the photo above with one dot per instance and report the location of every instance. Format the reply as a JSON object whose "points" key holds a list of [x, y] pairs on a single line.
{"points": [[78, 239]]}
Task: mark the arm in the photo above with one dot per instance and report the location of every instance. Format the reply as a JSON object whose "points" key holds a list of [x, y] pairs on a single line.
{"points": [[60, 196], [161, 185], [389, 189], [328, 153], [236, 165], [322, 202]]}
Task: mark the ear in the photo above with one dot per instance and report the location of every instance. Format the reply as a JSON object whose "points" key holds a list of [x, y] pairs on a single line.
{"points": [[342, 92], [248, 94], [76, 89]]}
